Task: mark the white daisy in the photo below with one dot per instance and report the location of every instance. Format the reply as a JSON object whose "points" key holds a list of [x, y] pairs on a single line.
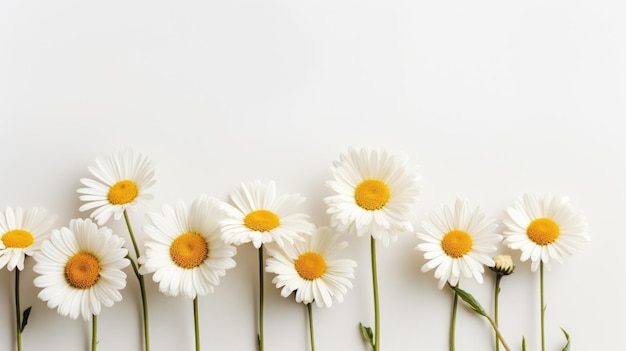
{"points": [[185, 251], [544, 228], [458, 241], [376, 192], [21, 234], [80, 269], [311, 270], [259, 216], [121, 182]]}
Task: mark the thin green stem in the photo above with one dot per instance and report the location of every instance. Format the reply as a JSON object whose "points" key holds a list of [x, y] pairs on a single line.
{"points": [[196, 323], [495, 309], [94, 332], [311, 332], [142, 285], [543, 309], [18, 312], [498, 334], [375, 286], [132, 236], [261, 299], [455, 304]]}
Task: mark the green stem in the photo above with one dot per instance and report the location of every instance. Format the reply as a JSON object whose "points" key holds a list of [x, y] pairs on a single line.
{"points": [[196, 323], [496, 299], [18, 312], [261, 299], [498, 334], [375, 286], [94, 332], [142, 285], [311, 332], [455, 304], [132, 236], [543, 309]]}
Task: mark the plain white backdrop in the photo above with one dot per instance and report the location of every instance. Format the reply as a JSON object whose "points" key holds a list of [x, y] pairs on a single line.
{"points": [[492, 99]]}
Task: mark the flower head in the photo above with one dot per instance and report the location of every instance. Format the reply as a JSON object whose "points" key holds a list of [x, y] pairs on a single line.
{"points": [[257, 215], [310, 268], [121, 182], [503, 265], [21, 234], [185, 251], [376, 191], [544, 228], [80, 269], [458, 241]]}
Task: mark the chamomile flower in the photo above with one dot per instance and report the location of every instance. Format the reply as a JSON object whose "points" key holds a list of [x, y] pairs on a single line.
{"points": [[544, 228], [80, 269], [21, 234], [458, 241], [184, 250], [311, 270], [122, 181], [376, 191], [259, 216]]}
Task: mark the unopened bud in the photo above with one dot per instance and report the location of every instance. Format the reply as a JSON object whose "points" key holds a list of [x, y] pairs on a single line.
{"points": [[504, 265]]}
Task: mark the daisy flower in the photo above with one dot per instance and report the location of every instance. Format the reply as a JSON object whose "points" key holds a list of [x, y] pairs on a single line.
{"points": [[376, 192], [544, 228], [21, 234], [259, 216], [458, 241], [311, 270], [122, 181], [184, 250], [80, 269]]}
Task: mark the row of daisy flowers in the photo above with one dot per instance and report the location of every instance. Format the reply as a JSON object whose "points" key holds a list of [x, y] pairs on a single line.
{"points": [[80, 268]]}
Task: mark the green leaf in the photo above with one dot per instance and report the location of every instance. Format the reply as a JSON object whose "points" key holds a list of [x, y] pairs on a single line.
{"points": [[523, 343], [25, 318], [470, 300], [566, 348], [368, 335]]}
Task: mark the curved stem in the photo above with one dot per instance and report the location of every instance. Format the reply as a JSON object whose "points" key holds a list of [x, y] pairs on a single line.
{"points": [[543, 309], [261, 298], [498, 334], [375, 286], [18, 312], [132, 236], [196, 323], [142, 285], [455, 304], [311, 332], [495, 309], [94, 332]]}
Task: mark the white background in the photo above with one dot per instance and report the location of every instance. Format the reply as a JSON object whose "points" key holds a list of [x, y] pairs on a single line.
{"points": [[491, 99]]}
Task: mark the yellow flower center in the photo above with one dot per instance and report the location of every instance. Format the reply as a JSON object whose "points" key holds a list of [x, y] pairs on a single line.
{"points": [[543, 231], [310, 265], [189, 250], [82, 271], [371, 194], [261, 220], [17, 239], [456, 243], [123, 192]]}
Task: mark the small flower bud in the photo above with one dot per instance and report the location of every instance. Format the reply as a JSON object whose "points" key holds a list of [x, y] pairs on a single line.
{"points": [[504, 265]]}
